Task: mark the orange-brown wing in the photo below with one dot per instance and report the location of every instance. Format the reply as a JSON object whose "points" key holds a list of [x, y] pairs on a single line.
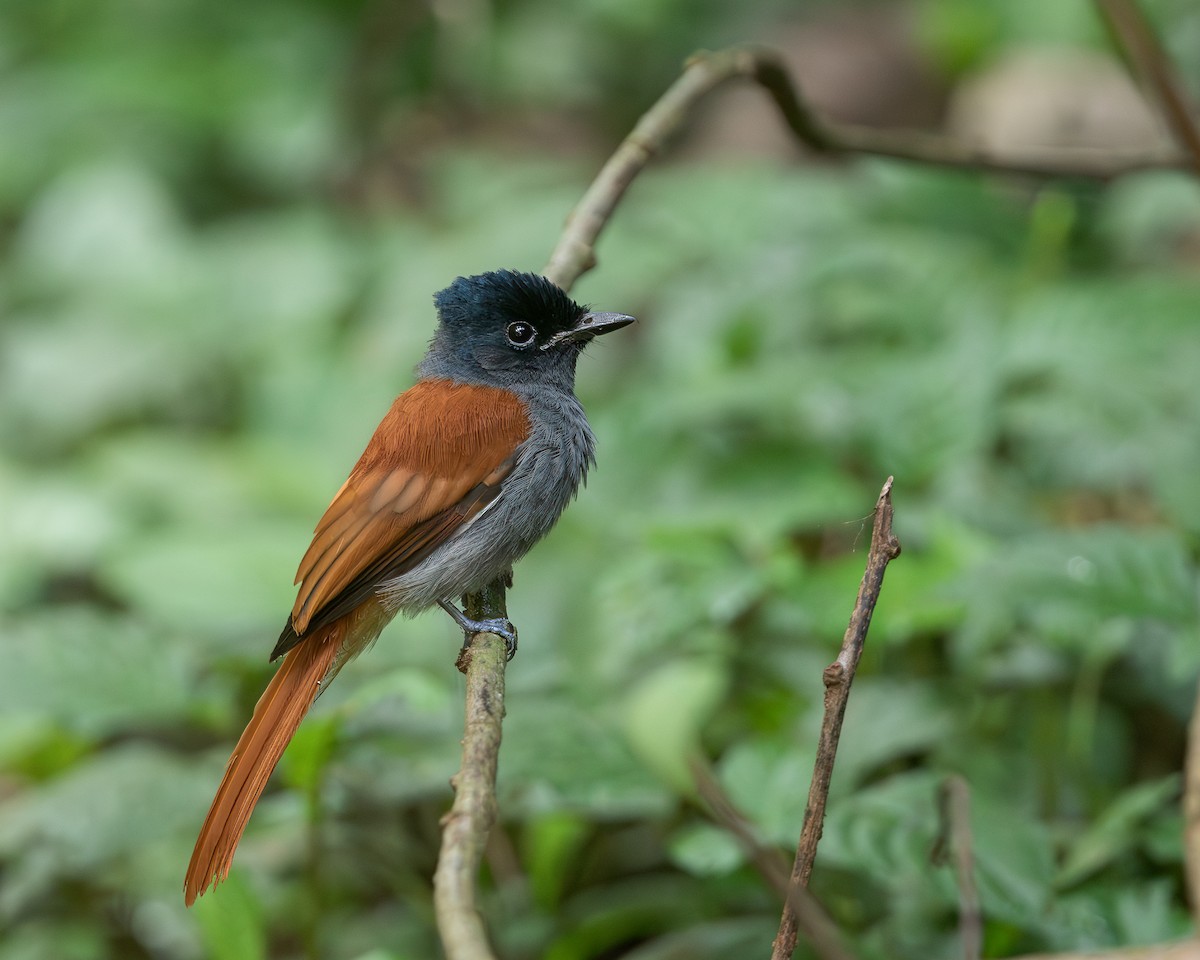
{"points": [[436, 460]]}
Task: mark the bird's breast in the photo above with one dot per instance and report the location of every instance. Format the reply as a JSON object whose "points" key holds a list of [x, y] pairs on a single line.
{"points": [[548, 468]]}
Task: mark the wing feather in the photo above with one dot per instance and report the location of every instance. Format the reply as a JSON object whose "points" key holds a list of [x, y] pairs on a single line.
{"points": [[438, 458]]}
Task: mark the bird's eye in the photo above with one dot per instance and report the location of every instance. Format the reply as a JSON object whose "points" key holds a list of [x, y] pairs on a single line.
{"points": [[519, 333]]}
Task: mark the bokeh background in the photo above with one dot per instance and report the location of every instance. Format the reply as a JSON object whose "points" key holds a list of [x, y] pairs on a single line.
{"points": [[220, 228]]}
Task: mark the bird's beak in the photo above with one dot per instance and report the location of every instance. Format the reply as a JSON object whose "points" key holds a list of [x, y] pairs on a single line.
{"points": [[594, 324], [591, 324]]}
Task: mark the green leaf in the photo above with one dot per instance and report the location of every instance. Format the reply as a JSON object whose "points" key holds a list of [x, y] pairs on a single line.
{"points": [[231, 921], [113, 815], [309, 751], [225, 578], [551, 844], [888, 722], [705, 850], [71, 939], [94, 673], [1118, 829], [1014, 860], [885, 830], [767, 779], [559, 756], [665, 714]]}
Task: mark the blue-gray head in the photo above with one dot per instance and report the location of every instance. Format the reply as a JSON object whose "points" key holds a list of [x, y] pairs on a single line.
{"points": [[506, 328]]}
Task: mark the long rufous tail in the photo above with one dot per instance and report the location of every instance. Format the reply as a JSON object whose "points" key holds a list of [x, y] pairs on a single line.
{"points": [[277, 715]]}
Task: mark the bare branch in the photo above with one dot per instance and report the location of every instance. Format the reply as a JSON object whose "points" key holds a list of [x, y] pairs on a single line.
{"points": [[955, 843], [827, 137], [838, 677], [465, 828], [1150, 63], [1191, 813], [821, 931], [575, 253]]}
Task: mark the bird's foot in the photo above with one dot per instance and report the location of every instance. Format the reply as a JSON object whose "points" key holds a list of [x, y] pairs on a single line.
{"points": [[500, 626]]}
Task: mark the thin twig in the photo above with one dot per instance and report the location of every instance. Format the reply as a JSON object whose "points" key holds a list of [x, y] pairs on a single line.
{"points": [[705, 71], [575, 253], [838, 677], [955, 843], [827, 137], [821, 931], [1150, 63], [1191, 813]]}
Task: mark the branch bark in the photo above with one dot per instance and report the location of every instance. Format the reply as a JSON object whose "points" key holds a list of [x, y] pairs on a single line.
{"points": [[1191, 814], [465, 828], [955, 844], [575, 254], [1135, 36], [821, 931], [838, 677]]}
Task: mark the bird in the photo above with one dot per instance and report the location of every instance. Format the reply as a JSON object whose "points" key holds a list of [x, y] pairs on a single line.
{"points": [[471, 466]]}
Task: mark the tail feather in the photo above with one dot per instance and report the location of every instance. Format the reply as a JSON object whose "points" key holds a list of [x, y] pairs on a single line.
{"points": [[277, 715]]}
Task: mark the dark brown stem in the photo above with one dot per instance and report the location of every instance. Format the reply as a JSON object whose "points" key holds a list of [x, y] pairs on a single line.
{"points": [[575, 252], [826, 137], [820, 930], [1135, 36], [838, 677], [1191, 814]]}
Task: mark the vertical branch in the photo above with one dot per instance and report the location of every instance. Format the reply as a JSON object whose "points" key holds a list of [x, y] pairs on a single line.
{"points": [[955, 843], [465, 828], [1191, 813], [837, 678], [821, 931]]}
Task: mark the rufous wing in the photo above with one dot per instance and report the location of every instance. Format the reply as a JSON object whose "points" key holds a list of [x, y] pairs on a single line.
{"points": [[436, 460]]}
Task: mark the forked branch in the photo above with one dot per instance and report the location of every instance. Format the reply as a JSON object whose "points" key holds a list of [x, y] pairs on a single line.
{"points": [[704, 72]]}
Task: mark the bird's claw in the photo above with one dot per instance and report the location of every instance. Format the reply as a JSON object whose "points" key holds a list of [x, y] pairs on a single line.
{"points": [[500, 626]]}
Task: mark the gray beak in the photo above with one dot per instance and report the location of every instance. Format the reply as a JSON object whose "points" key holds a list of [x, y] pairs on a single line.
{"points": [[592, 324]]}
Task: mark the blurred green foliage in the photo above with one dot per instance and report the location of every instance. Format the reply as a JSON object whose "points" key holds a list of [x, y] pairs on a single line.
{"points": [[220, 228]]}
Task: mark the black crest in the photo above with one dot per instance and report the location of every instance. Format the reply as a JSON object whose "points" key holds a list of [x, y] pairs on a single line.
{"points": [[505, 296]]}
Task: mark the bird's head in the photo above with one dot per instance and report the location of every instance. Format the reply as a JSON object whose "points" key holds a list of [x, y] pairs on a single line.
{"points": [[507, 328]]}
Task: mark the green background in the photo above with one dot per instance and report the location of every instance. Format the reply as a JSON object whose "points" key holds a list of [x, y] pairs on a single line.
{"points": [[220, 229]]}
